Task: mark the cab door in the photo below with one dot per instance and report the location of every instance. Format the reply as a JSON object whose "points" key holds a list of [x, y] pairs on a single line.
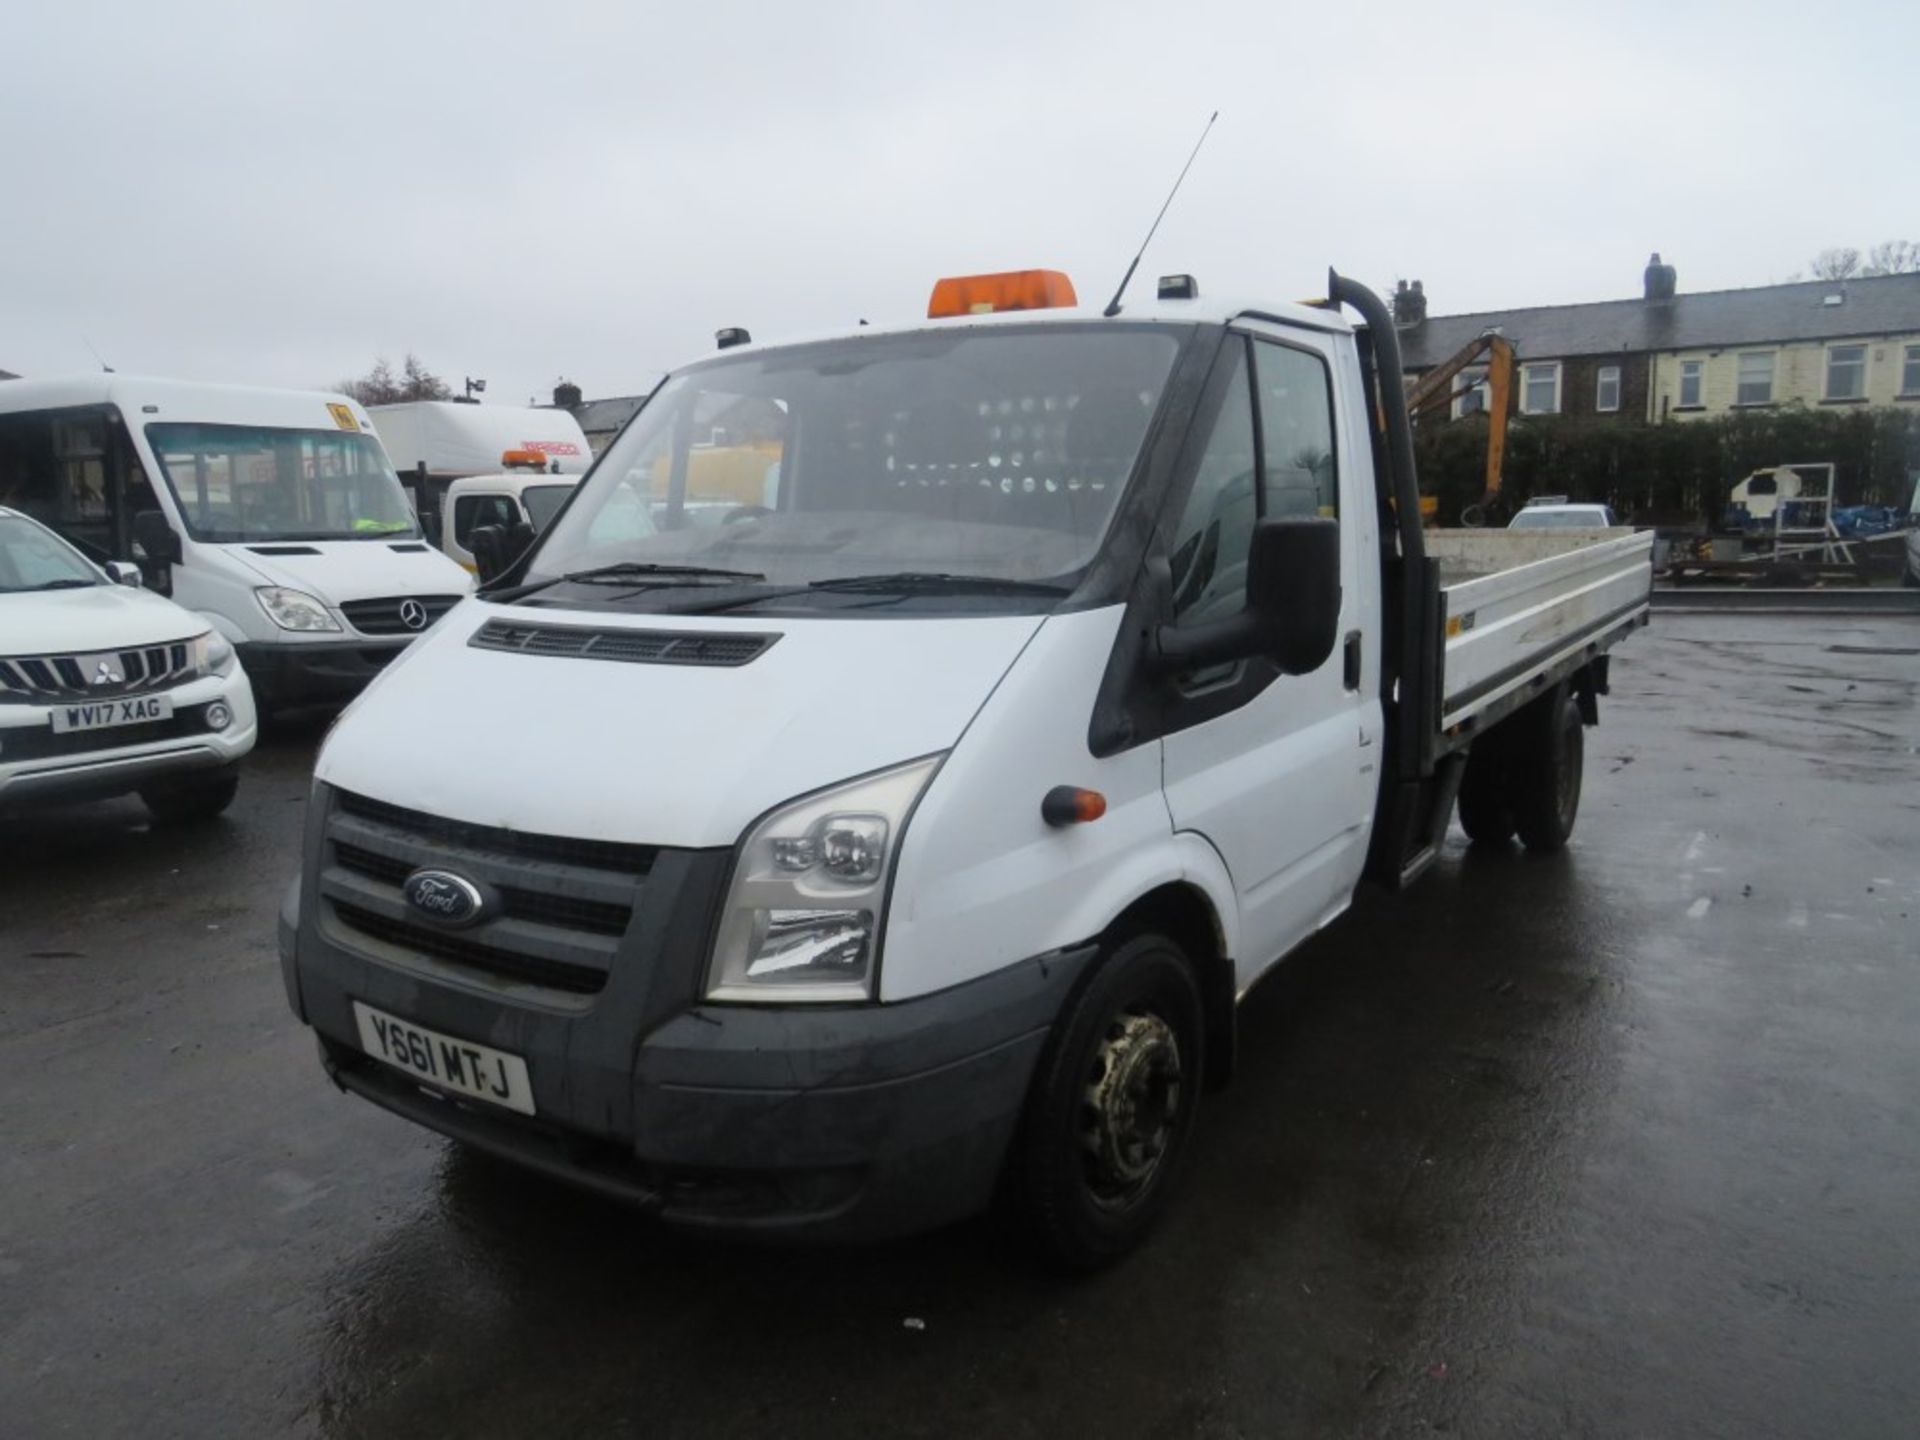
{"points": [[1278, 772]]}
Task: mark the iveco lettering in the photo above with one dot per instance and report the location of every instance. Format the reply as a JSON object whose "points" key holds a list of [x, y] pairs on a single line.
{"points": [[875, 789]]}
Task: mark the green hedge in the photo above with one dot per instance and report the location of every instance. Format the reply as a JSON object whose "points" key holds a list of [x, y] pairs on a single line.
{"points": [[1674, 473]]}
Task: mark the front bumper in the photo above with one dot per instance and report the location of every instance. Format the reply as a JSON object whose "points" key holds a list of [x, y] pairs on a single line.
{"points": [[824, 1122], [104, 763], [318, 672]]}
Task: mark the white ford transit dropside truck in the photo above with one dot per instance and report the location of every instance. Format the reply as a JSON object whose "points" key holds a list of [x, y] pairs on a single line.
{"points": [[909, 838]]}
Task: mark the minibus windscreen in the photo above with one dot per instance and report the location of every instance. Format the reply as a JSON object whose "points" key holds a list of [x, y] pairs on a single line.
{"points": [[248, 482]]}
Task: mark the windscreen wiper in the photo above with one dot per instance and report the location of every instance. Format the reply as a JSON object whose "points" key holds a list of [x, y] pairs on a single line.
{"points": [[931, 582], [898, 584], [65, 585], [625, 571]]}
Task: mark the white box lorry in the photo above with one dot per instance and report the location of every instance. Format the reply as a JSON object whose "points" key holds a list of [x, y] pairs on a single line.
{"points": [[908, 837], [434, 443]]}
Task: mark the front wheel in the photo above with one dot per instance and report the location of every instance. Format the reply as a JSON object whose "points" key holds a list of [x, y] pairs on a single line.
{"points": [[1112, 1106], [180, 802]]}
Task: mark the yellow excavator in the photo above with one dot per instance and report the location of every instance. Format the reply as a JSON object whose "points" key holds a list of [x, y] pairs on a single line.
{"points": [[1434, 393]]}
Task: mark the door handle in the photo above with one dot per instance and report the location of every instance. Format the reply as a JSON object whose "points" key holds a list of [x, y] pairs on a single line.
{"points": [[1352, 660]]}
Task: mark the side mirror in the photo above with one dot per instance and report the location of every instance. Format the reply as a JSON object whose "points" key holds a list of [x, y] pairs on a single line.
{"points": [[155, 536], [489, 546], [496, 548], [1292, 614], [124, 574], [159, 542]]}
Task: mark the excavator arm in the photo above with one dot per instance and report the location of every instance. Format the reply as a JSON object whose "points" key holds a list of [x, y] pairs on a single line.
{"points": [[1435, 389]]}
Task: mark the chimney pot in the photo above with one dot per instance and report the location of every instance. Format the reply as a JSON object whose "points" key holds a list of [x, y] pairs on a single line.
{"points": [[567, 396], [1659, 279], [1409, 304]]}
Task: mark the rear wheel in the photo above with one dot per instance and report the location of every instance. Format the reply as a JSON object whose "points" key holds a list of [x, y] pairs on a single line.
{"points": [[1545, 783], [1112, 1106], [1486, 811], [180, 802]]}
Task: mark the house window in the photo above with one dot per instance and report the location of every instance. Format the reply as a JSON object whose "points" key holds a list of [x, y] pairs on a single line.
{"points": [[1910, 372], [1540, 389], [1755, 385], [1606, 388], [1847, 372], [1472, 396], [1690, 373]]}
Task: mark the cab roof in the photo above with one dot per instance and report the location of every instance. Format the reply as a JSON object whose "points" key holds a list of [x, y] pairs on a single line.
{"points": [[1204, 310]]}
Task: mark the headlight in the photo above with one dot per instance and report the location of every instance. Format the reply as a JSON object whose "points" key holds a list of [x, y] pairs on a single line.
{"points": [[802, 919], [295, 609], [216, 654]]}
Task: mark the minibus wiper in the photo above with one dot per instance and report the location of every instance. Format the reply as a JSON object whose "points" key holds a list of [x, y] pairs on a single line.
{"points": [[65, 585], [622, 571]]}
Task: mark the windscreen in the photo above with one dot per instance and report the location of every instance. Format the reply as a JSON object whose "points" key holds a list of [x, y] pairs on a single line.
{"points": [[993, 452], [246, 482], [1560, 520], [32, 558]]}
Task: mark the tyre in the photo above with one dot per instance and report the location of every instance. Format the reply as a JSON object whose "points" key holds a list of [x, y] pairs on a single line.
{"points": [[1545, 779], [1112, 1106], [1486, 810], [181, 802]]}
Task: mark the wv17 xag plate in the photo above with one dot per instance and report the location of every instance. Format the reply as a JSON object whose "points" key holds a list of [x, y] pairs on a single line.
{"points": [[478, 1071], [104, 714]]}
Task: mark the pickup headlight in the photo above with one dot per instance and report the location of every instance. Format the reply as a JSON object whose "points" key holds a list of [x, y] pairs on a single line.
{"points": [[802, 918], [294, 609], [216, 654]]}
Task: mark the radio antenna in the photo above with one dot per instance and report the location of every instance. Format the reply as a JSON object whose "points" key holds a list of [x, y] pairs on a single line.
{"points": [[96, 354], [1113, 305]]}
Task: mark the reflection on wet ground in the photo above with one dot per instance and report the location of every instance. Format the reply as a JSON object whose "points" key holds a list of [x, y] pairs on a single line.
{"points": [[1614, 1143]]}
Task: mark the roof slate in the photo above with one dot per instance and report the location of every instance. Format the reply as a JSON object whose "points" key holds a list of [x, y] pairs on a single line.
{"points": [[1766, 314]]}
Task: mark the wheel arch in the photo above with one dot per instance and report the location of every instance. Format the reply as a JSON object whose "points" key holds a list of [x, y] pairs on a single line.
{"points": [[1184, 912]]}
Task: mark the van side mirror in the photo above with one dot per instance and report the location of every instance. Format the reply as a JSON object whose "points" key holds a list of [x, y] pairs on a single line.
{"points": [[160, 543], [496, 548], [1292, 614], [155, 536], [489, 546]]}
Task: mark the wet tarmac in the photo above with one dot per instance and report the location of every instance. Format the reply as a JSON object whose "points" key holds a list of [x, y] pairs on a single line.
{"points": [[1620, 1143]]}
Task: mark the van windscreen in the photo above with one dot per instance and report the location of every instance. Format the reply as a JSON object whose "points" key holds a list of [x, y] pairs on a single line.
{"points": [[249, 482], [997, 453]]}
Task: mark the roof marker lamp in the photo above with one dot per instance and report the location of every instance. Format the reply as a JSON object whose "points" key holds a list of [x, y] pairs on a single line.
{"points": [[802, 918]]}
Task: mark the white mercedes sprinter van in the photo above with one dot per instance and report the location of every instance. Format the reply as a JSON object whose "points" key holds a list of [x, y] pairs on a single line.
{"points": [[908, 835], [274, 513]]}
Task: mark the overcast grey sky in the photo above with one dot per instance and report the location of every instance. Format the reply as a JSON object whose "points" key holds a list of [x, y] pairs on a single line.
{"points": [[276, 194]]}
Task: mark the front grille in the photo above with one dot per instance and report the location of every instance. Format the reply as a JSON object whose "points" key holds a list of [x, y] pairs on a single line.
{"points": [[720, 648], [41, 743], [598, 917], [459, 834], [563, 904], [511, 965], [386, 617], [99, 675]]}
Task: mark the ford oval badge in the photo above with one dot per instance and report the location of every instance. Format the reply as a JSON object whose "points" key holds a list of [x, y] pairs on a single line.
{"points": [[444, 896]]}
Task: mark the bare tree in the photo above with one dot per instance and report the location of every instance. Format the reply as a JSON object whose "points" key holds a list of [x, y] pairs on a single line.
{"points": [[1893, 257], [1841, 263], [380, 386]]}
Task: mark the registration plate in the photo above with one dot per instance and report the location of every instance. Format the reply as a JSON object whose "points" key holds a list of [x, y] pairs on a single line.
{"points": [[105, 714], [458, 1065]]}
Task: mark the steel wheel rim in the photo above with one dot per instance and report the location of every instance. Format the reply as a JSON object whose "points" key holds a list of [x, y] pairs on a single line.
{"points": [[1130, 1107]]}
